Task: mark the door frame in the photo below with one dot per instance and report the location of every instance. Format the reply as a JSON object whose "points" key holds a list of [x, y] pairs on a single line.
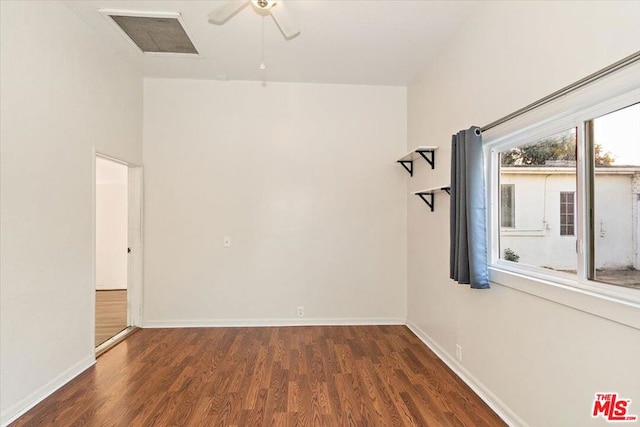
{"points": [[135, 238], [135, 291]]}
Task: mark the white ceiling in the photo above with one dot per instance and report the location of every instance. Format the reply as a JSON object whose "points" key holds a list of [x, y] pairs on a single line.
{"points": [[375, 42]]}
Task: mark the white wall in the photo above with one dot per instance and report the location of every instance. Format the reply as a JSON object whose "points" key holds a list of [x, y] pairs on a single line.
{"points": [[544, 361], [61, 97], [300, 176], [111, 224]]}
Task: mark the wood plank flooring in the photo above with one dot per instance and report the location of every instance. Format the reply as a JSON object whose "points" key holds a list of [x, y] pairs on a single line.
{"points": [[111, 313], [283, 376]]}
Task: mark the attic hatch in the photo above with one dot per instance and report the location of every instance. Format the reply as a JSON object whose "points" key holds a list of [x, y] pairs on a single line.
{"points": [[155, 33]]}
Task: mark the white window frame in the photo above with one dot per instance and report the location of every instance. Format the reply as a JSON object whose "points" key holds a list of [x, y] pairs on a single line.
{"points": [[599, 98]]}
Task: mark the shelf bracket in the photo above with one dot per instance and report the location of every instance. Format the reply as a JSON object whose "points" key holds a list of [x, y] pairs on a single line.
{"points": [[429, 156], [409, 168], [427, 198]]}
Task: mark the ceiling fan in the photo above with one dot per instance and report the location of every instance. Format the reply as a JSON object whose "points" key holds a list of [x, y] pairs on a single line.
{"points": [[275, 8]]}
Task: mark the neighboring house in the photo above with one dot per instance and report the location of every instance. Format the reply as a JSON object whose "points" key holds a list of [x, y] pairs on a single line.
{"points": [[538, 216]]}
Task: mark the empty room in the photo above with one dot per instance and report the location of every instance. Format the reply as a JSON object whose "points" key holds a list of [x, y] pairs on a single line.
{"points": [[327, 213]]}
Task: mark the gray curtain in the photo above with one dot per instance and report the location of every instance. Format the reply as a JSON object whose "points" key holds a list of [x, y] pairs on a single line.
{"points": [[468, 227]]}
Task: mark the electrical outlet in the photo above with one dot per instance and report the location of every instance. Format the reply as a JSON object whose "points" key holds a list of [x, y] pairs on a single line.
{"points": [[301, 311], [459, 352], [227, 242]]}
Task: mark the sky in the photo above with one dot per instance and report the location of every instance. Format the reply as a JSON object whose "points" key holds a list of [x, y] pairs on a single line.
{"points": [[619, 133]]}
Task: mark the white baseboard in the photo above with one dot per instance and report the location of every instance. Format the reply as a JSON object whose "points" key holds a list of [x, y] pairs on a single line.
{"points": [[16, 410], [497, 405], [212, 323]]}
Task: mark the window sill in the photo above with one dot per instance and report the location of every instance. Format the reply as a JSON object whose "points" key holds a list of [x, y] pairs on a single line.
{"points": [[618, 305]]}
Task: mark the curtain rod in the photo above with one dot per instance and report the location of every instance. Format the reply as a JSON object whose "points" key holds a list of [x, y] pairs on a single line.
{"points": [[635, 57]]}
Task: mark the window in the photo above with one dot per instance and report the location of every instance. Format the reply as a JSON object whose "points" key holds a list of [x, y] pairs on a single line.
{"points": [[545, 173], [507, 206], [615, 148], [567, 205], [578, 177]]}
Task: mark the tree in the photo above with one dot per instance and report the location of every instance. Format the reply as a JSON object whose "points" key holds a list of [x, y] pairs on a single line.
{"points": [[603, 159], [561, 147]]}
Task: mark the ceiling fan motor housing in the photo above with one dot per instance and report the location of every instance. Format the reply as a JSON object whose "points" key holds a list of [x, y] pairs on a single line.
{"points": [[263, 4]]}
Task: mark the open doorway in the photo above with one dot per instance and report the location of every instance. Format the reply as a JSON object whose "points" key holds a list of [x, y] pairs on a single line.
{"points": [[118, 286], [112, 248]]}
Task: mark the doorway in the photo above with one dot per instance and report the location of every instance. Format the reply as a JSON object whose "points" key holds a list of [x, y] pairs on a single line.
{"points": [[118, 251], [112, 228]]}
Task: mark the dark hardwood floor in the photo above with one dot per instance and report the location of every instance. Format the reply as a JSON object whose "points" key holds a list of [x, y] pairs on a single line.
{"points": [[318, 375]]}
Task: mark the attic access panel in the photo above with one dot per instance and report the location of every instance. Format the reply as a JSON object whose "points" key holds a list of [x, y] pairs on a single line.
{"points": [[156, 34]]}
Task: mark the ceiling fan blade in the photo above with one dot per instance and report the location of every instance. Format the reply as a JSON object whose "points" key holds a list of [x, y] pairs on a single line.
{"points": [[227, 11], [284, 20]]}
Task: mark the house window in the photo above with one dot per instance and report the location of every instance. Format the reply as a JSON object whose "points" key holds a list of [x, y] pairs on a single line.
{"points": [[582, 162], [567, 209], [507, 206]]}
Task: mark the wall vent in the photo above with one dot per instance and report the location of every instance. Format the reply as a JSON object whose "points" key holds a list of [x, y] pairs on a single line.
{"points": [[157, 33]]}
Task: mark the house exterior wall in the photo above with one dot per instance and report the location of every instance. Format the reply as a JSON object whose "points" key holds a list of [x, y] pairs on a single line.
{"points": [[615, 226], [536, 236]]}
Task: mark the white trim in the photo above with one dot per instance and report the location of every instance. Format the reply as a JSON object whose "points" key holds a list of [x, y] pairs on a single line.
{"points": [[114, 340], [548, 170], [18, 409], [135, 236], [94, 256], [610, 91], [498, 406], [569, 293], [113, 159], [213, 323]]}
